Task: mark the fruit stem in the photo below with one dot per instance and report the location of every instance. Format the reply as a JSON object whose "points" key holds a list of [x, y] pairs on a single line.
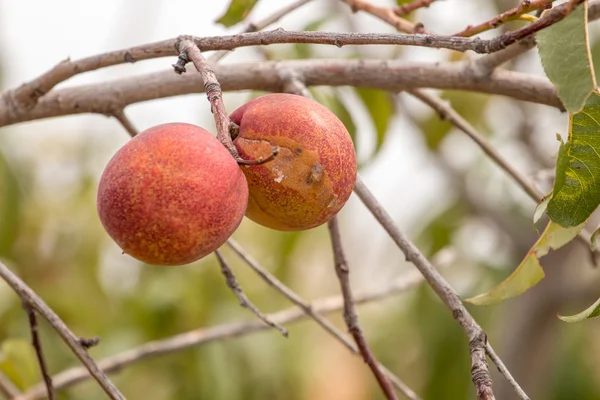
{"points": [[189, 51]]}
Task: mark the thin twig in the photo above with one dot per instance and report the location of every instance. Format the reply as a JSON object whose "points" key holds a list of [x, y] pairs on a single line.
{"points": [[258, 26], [407, 8], [125, 122], [476, 336], [29, 297], [312, 312], [505, 372], [350, 315], [8, 388], [525, 7], [37, 346], [386, 14], [202, 336], [245, 302]]}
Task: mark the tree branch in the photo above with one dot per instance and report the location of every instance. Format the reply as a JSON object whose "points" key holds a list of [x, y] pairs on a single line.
{"points": [[312, 313], [27, 95], [202, 336], [244, 301], [29, 297], [350, 315], [477, 338], [105, 98]]}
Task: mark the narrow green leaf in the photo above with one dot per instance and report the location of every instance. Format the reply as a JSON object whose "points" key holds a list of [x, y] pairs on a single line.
{"points": [[577, 185], [10, 206], [566, 58], [529, 272], [238, 11], [380, 106], [592, 311]]}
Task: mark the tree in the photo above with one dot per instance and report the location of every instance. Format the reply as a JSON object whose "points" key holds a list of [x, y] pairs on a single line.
{"points": [[160, 307]]}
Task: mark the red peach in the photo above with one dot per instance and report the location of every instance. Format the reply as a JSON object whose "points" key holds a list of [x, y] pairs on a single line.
{"points": [[171, 195], [314, 173]]}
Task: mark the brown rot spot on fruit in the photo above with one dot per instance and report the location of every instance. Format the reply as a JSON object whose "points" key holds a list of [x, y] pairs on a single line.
{"points": [[316, 174]]}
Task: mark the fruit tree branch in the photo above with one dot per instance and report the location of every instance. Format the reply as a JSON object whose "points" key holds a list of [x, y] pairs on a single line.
{"points": [[476, 336], [8, 388], [27, 95], [30, 298], [202, 336], [312, 313], [392, 75], [350, 315], [244, 301]]}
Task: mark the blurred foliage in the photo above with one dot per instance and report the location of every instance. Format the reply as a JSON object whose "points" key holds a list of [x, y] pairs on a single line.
{"points": [[237, 11], [51, 237]]}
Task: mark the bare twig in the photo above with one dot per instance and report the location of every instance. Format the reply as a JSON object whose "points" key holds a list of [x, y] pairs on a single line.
{"points": [[386, 14], [504, 371], [245, 302], [485, 65], [477, 338], [258, 26], [350, 316], [125, 122], [312, 312], [7, 388], [29, 297], [407, 8], [202, 336], [525, 7], [37, 345]]}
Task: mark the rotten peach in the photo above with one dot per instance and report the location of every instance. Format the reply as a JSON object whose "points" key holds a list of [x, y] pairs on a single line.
{"points": [[171, 195], [314, 173]]}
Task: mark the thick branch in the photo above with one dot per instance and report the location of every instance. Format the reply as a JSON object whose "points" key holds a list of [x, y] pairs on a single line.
{"points": [[106, 98], [206, 335], [29, 297]]}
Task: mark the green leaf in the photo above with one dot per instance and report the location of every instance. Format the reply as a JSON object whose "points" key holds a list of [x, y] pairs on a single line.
{"points": [[529, 272], [238, 10], [566, 58], [576, 192], [592, 311], [380, 106], [18, 361]]}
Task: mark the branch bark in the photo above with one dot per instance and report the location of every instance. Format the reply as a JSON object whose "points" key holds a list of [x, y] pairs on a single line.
{"points": [[29, 297], [107, 97], [202, 336]]}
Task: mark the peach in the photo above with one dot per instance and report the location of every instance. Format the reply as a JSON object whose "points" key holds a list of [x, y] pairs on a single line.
{"points": [[314, 173], [171, 195]]}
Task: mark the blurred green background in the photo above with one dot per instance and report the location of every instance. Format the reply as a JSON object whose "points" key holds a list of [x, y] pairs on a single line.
{"points": [[437, 185]]}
